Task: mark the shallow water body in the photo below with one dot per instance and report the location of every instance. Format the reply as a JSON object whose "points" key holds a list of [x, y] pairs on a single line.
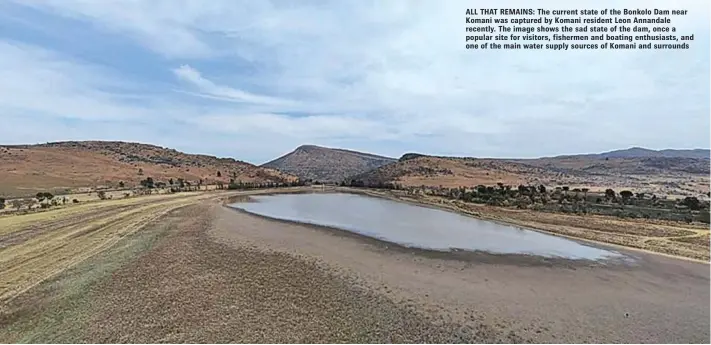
{"points": [[416, 226]]}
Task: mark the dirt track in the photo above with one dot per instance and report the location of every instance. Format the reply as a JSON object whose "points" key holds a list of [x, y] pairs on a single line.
{"points": [[37, 246], [205, 273]]}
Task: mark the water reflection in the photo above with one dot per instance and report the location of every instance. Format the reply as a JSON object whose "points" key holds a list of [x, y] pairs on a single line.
{"points": [[415, 226]]}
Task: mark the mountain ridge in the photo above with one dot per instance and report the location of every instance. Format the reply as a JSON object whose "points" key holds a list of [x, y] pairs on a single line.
{"points": [[641, 152], [325, 164]]}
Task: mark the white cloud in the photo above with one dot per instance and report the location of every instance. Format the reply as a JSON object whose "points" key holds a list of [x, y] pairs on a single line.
{"points": [[36, 80], [210, 89], [391, 71]]}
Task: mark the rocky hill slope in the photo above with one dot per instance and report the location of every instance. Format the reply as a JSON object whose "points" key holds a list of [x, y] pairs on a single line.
{"points": [[327, 164], [26, 169], [640, 152], [673, 176]]}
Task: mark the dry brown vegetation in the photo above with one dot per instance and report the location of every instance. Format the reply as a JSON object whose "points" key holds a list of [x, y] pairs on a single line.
{"points": [[445, 172], [665, 237], [171, 283], [27, 169], [660, 175], [206, 274], [36, 246], [324, 164]]}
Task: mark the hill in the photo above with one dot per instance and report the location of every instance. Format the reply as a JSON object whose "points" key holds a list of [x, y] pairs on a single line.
{"points": [[327, 164], [660, 175], [640, 152], [26, 169]]}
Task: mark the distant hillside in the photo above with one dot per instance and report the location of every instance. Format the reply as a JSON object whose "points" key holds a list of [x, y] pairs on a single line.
{"points": [[639, 152], [661, 175], [25, 169], [327, 164], [417, 169]]}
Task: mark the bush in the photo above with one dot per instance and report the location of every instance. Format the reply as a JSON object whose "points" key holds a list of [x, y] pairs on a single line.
{"points": [[44, 195]]}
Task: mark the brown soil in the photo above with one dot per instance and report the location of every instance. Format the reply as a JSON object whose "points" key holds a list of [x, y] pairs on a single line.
{"points": [[531, 303], [73, 165], [205, 273], [660, 176]]}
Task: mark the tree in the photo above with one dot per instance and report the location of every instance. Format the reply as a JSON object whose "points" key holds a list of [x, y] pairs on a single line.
{"points": [[2, 203], [692, 203], [522, 189], [101, 194], [609, 193], [542, 189], [566, 189], [625, 194], [140, 171], [17, 204], [219, 174], [481, 189], [148, 182], [44, 195], [121, 185], [170, 182], [585, 192]]}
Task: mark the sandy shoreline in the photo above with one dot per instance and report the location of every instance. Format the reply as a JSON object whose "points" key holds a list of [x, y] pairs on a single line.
{"points": [[478, 256], [666, 300], [611, 246]]}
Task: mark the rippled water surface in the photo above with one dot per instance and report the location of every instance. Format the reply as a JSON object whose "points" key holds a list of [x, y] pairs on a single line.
{"points": [[415, 226]]}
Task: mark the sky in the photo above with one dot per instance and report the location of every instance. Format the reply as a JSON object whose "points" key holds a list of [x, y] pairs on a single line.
{"points": [[255, 79]]}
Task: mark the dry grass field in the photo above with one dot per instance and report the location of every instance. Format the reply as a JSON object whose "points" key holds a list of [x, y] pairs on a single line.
{"points": [[66, 167], [37, 246], [661, 176]]}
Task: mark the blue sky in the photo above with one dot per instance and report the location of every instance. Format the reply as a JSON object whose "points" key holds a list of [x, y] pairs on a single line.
{"points": [[254, 79]]}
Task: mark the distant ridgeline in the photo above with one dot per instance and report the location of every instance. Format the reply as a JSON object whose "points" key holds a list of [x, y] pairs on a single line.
{"points": [[409, 156]]}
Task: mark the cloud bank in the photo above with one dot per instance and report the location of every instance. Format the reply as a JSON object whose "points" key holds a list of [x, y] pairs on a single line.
{"points": [[255, 79]]}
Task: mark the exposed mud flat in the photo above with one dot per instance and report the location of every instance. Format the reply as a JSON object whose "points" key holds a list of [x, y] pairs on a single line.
{"points": [[419, 227], [656, 299]]}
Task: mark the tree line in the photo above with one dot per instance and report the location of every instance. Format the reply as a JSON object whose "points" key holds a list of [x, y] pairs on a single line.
{"points": [[624, 203]]}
